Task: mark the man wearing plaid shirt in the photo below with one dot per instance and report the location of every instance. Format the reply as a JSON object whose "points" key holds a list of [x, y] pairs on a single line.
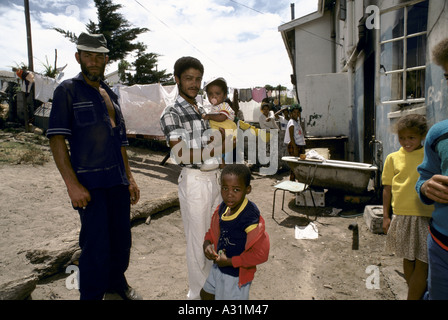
{"points": [[199, 191]]}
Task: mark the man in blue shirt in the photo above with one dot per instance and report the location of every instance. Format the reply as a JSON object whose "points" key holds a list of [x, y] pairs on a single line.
{"points": [[432, 187], [96, 170]]}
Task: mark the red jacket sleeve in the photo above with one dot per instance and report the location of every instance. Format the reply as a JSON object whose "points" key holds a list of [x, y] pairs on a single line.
{"points": [[212, 234], [257, 248]]}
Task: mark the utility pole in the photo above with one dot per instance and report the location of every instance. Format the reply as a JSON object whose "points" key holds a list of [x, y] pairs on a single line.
{"points": [[30, 63], [28, 36]]}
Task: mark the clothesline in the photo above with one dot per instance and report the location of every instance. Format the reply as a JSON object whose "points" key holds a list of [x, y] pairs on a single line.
{"points": [[45, 86], [256, 94]]}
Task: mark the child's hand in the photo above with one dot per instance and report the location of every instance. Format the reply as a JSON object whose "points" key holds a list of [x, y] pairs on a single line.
{"points": [[222, 260], [209, 251]]}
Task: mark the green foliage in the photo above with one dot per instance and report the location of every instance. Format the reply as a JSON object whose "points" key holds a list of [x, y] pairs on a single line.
{"points": [[145, 69], [49, 70], [68, 34], [116, 29]]}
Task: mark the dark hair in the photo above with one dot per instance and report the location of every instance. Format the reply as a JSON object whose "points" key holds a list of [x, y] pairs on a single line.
{"points": [[185, 63], [412, 121], [295, 106], [440, 52], [239, 170], [267, 100]]}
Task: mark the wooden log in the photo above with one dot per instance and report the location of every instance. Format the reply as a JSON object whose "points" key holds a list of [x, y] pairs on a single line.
{"points": [[148, 208], [18, 289], [53, 256]]}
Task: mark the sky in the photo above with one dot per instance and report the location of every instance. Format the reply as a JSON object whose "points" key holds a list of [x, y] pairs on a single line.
{"points": [[238, 40]]}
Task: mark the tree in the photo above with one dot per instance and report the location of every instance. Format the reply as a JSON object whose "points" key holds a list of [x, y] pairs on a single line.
{"points": [[284, 100], [115, 28], [145, 69], [120, 38]]}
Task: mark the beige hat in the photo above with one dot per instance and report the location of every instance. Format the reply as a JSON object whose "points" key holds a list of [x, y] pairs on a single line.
{"points": [[92, 43], [218, 79]]}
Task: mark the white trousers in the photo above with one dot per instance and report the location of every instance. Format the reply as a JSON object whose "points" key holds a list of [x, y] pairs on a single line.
{"points": [[199, 195]]}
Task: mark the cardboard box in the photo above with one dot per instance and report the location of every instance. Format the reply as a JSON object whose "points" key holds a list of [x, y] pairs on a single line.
{"points": [[304, 199]]}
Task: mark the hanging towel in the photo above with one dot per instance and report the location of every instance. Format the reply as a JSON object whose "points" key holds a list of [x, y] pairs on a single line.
{"points": [[245, 95]]}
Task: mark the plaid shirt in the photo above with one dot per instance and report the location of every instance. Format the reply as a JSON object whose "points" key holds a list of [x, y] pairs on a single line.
{"points": [[182, 121]]}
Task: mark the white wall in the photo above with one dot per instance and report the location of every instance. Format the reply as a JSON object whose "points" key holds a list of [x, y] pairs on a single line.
{"points": [[314, 50], [326, 105]]}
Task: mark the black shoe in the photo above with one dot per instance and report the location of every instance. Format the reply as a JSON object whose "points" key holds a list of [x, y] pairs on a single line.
{"points": [[130, 294]]}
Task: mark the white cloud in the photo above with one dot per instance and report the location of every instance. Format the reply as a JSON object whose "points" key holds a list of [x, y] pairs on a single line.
{"points": [[230, 39]]}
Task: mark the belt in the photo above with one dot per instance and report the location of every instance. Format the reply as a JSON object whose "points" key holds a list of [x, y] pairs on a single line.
{"points": [[441, 239]]}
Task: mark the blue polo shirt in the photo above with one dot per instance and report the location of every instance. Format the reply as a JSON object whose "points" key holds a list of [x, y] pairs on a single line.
{"points": [[79, 113]]}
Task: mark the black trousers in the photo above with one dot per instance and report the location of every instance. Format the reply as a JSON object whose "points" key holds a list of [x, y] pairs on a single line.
{"points": [[105, 241]]}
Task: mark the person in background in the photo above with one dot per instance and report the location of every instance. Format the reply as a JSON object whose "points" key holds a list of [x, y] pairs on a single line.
{"points": [[407, 227], [267, 125], [283, 118], [236, 106], [96, 171], [294, 136], [238, 152], [432, 187], [267, 118]]}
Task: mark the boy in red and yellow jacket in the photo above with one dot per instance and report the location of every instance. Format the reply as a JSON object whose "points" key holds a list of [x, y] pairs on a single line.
{"points": [[236, 241]]}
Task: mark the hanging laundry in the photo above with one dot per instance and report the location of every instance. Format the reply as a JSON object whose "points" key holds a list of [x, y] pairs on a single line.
{"points": [[44, 87], [245, 95], [258, 94]]}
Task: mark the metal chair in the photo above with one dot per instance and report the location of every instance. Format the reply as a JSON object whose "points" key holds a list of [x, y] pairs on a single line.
{"points": [[297, 188]]}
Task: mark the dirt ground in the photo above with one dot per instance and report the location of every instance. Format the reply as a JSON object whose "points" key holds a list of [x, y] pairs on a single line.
{"points": [[35, 208]]}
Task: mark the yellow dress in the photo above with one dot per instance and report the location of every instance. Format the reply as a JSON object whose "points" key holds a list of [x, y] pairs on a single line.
{"points": [[228, 124], [254, 130]]}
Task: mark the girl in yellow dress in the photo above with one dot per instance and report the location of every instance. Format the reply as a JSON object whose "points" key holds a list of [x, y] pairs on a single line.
{"points": [[405, 217]]}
